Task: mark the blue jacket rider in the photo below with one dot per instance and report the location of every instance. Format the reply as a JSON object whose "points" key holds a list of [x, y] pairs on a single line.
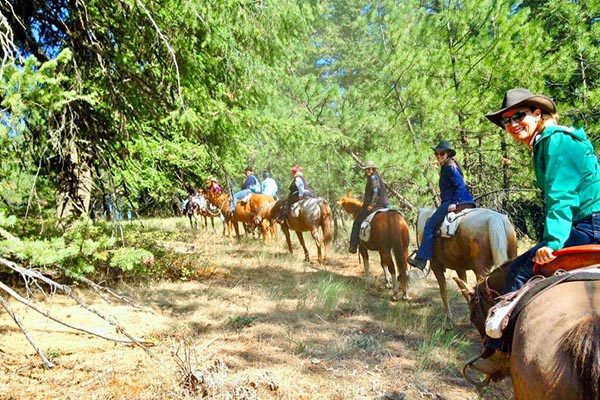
{"points": [[251, 185], [375, 197], [454, 196]]}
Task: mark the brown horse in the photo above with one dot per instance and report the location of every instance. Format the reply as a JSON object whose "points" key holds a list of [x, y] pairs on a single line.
{"points": [[245, 213], [485, 238], [556, 342], [312, 213], [389, 231]]}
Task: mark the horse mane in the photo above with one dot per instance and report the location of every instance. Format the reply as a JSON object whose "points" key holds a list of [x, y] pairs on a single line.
{"points": [[350, 204]]}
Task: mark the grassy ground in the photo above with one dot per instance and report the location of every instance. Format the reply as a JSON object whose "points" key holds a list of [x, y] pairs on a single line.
{"points": [[245, 320]]}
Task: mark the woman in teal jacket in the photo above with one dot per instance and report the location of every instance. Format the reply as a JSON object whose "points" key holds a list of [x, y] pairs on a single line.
{"points": [[567, 172]]}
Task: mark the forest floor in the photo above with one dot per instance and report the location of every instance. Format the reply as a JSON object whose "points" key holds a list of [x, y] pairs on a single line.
{"points": [[251, 322]]}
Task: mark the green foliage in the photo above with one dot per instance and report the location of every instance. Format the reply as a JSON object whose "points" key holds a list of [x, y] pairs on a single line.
{"points": [[129, 259], [240, 322], [80, 251]]}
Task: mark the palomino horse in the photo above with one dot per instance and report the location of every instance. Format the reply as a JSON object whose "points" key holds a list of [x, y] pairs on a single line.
{"points": [[312, 213], [484, 238], [245, 213], [555, 346], [389, 231]]}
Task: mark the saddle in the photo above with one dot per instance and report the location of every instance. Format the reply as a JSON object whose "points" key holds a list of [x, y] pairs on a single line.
{"points": [[296, 207], [365, 226], [577, 263], [452, 221], [246, 198]]}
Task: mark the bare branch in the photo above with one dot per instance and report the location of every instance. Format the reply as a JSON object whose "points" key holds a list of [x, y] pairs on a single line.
{"points": [[49, 364]]}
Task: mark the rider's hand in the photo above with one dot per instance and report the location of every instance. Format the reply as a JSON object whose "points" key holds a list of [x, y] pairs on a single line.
{"points": [[543, 255], [451, 207]]}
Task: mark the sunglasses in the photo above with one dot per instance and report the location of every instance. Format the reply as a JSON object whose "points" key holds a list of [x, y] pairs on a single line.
{"points": [[516, 117]]}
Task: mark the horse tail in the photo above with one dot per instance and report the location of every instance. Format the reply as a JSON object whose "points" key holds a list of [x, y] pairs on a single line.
{"points": [[582, 345], [503, 239], [399, 229], [326, 223]]}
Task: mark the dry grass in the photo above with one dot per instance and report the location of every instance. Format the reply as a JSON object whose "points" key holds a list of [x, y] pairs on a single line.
{"points": [[252, 322]]}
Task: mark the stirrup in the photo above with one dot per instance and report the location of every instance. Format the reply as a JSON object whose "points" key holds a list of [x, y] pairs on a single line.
{"points": [[480, 383]]}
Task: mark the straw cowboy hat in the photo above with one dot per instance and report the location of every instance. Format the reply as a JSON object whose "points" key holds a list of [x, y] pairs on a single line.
{"points": [[369, 164], [519, 97], [445, 145]]}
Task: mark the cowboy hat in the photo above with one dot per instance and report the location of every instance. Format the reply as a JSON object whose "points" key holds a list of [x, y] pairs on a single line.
{"points": [[521, 97], [369, 164], [249, 168], [212, 179], [445, 145], [296, 168]]}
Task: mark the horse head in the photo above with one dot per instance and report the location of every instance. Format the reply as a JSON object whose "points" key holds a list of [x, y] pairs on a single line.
{"points": [[350, 204], [483, 296]]}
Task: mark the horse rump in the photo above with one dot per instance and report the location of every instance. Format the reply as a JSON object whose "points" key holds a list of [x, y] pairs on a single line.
{"points": [[582, 344]]}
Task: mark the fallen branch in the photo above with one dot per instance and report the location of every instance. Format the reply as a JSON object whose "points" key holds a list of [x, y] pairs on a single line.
{"points": [[34, 276], [49, 364]]}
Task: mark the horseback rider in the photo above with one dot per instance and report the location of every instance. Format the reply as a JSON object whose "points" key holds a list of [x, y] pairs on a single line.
{"points": [[375, 198], [299, 189], [250, 185], [192, 193], [567, 171], [454, 198], [214, 188], [269, 186]]}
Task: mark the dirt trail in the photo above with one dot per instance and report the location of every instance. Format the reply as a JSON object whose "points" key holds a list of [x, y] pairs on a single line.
{"points": [[261, 325]]}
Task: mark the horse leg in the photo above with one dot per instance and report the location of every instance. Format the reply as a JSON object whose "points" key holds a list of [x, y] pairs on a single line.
{"points": [[386, 259], [315, 234], [286, 232], [365, 256], [301, 239], [438, 271], [212, 222]]}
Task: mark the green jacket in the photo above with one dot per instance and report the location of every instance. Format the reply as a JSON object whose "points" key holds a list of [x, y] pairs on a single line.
{"points": [[566, 170]]}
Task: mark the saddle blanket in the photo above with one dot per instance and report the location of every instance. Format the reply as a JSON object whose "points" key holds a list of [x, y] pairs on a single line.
{"points": [[504, 314], [452, 221], [296, 207], [365, 226]]}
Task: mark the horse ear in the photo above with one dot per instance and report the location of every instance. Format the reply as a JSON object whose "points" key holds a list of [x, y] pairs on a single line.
{"points": [[349, 193], [462, 286]]}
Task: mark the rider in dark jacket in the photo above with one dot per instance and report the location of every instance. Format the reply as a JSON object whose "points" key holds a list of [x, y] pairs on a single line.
{"points": [[454, 195], [375, 197], [299, 189]]}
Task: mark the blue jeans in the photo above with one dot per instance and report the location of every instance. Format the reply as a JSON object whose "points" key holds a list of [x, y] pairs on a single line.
{"points": [[425, 251], [237, 196], [520, 269]]}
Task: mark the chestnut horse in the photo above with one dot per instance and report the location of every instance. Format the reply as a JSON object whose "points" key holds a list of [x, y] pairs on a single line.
{"points": [[389, 231], [484, 238], [556, 341], [314, 212], [246, 212]]}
